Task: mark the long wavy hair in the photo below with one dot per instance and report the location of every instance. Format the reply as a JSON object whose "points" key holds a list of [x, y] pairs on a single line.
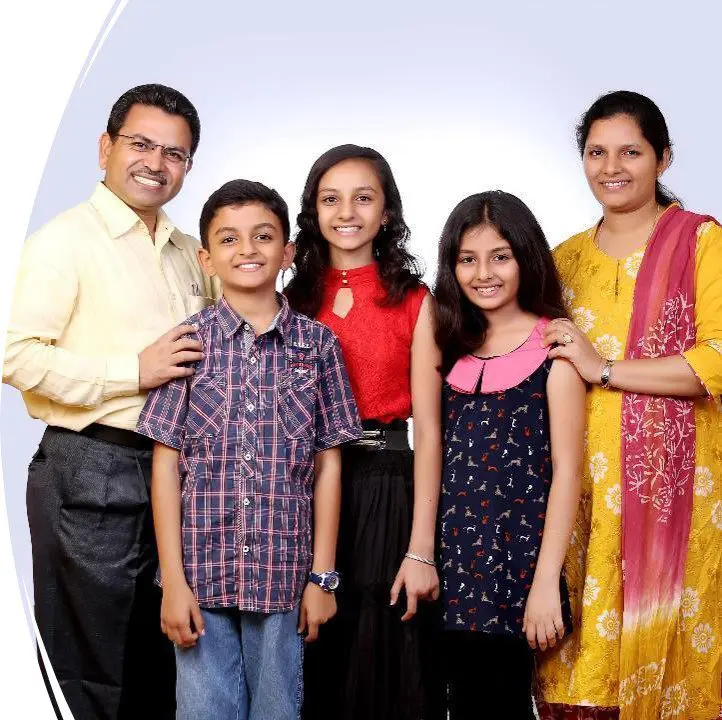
{"points": [[400, 271], [460, 325]]}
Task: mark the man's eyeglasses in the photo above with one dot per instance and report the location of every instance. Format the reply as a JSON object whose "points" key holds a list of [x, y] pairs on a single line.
{"points": [[143, 145]]}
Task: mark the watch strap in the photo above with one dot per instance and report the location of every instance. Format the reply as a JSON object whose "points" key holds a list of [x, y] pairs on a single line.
{"points": [[606, 374]]}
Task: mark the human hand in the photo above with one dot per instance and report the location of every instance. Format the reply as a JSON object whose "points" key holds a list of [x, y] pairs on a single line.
{"points": [[543, 624], [162, 360], [574, 346], [180, 616], [317, 608], [421, 582]]}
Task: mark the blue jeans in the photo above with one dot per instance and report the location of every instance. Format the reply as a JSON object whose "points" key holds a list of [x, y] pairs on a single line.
{"points": [[248, 666]]}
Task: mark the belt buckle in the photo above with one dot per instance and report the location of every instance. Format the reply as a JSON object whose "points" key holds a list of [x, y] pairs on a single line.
{"points": [[372, 439]]}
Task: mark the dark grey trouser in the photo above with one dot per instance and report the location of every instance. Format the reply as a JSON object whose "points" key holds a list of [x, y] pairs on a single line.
{"points": [[94, 563]]}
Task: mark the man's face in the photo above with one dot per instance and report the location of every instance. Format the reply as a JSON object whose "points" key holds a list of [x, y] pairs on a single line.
{"points": [[146, 179]]}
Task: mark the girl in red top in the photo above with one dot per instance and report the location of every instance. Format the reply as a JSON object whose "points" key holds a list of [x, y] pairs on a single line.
{"points": [[354, 273]]}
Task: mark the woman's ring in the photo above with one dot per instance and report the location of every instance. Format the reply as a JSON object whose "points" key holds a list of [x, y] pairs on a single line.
{"points": [[567, 338]]}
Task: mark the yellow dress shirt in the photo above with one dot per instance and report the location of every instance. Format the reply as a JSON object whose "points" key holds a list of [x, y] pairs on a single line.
{"points": [[92, 291]]}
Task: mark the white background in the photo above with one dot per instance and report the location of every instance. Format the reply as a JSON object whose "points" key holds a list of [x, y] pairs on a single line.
{"points": [[43, 46], [462, 96]]}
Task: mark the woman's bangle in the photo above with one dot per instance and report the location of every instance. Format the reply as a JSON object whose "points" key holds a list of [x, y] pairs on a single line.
{"points": [[418, 558]]}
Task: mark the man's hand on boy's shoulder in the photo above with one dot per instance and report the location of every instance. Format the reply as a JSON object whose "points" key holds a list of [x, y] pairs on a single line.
{"points": [[317, 608], [164, 359], [180, 616]]}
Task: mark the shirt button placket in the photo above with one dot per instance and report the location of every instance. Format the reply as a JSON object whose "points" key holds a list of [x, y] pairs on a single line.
{"points": [[250, 460]]}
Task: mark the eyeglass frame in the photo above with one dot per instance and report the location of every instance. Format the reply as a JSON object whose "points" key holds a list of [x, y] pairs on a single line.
{"points": [[153, 145]]}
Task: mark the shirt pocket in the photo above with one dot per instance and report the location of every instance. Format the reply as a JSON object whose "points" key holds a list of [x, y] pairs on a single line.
{"points": [[192, 470], [207, 408], [195, 303], [297, 393]]}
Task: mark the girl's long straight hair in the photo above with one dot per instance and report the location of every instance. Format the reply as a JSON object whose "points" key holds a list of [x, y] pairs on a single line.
{"points": [[460, 325]]}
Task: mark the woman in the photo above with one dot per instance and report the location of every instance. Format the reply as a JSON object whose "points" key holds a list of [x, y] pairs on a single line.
{"points": [[644, 292], [354, 273]]}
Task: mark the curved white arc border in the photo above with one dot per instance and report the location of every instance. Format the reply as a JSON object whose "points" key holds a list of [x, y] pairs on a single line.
{"points": [[113, 16], [45, 49]]}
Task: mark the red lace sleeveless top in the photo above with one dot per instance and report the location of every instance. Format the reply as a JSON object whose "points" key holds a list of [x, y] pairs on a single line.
{"points": [[375, 340]]}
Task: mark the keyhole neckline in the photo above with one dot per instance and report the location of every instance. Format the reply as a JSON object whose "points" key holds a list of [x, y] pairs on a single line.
{"points": [[346, 278]]}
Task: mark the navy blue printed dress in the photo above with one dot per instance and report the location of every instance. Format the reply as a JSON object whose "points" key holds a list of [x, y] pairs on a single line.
{"points": [[496, 480]]}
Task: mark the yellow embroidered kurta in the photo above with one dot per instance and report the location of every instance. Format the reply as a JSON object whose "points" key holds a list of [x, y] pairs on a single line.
{"points": [[584, 670]]}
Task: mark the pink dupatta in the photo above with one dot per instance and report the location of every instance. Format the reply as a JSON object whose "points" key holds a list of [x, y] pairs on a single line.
{"points": [[658, 433]]}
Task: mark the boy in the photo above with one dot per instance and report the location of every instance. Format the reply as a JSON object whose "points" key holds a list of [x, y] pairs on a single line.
{"points": [[241, 449]]}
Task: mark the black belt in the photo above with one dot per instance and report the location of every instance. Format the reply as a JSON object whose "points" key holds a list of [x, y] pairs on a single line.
{"points": [[116, 436], [383, 436]]}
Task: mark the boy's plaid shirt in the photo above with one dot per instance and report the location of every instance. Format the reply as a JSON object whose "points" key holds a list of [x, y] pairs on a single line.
{"points": [[247, 425]]}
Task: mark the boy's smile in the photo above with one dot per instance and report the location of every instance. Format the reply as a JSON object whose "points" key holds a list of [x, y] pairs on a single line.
{"points": [[246, 248]]}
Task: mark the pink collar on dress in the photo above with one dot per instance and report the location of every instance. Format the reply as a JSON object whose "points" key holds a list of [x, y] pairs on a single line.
{"points": [[503, 371]]}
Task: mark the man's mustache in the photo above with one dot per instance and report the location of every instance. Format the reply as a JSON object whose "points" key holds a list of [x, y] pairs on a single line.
{"points": [[152, 175]]}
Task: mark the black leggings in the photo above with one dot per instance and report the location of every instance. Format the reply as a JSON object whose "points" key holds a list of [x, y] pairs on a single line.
{"points": [[489, 676]]}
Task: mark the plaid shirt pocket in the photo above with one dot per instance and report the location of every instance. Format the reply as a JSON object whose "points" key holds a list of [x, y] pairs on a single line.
{"points": [[191, 469], [207, 406], [298, 390]]}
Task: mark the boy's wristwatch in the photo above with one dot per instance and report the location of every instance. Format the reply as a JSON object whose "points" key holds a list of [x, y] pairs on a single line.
{"points": [[328, 581]]}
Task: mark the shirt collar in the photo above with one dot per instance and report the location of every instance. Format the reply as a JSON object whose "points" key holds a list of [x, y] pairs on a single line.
{"points": [[164, 228], [120, 219], [231, 322]]}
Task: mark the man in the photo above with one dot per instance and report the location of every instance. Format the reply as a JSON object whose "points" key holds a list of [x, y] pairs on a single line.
{"points": [[98, 289]]}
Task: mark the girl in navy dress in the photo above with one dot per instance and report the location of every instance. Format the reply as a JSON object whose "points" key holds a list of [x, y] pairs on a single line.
{"points": [[513, 436]]}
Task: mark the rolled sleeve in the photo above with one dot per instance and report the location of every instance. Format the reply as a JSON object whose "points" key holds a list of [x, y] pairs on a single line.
{"points": [[337, 418], [163, 416], [705, 357]]}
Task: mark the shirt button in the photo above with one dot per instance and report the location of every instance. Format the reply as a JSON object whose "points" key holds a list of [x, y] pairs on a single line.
{"points": [[252, 360], [246, 502], [344, 281], [246, 549], [248, 456], [250, 407]]}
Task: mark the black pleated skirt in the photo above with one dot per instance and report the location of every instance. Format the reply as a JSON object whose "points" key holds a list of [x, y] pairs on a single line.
{"points": [[367, 664]]}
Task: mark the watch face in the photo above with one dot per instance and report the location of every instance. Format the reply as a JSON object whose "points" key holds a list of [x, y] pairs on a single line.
{"points": [[333, 582]]}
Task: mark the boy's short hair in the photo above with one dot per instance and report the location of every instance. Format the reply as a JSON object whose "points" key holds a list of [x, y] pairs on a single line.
{"points": [[243, 192], [166, 98]]}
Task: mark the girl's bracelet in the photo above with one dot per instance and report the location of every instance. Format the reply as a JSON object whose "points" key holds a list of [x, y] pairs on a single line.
{"points": [[418, 558]]}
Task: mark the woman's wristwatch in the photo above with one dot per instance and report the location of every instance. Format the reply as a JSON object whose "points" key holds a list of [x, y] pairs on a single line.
{"points": [[606, 373]]}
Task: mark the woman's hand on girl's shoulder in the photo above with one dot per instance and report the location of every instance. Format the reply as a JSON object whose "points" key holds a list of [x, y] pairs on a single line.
{"points": [[543, 624], [573, 345], [420, 581]]}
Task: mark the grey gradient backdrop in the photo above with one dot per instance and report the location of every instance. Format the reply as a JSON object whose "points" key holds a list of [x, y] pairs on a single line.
{"points": [[460, 97]]}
